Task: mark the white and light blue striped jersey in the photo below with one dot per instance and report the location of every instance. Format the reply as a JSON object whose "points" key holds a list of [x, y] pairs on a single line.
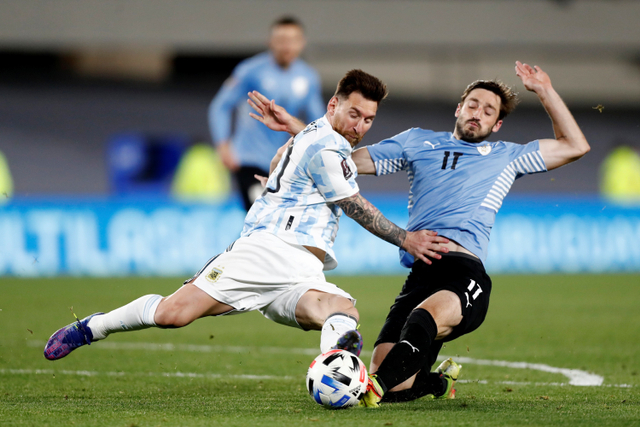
{"points": [[296, 88], [455, 187], [297, 204]]}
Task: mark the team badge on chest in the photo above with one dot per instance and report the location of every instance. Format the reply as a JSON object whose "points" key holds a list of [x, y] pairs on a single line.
{"points": [[215, 274], [484, 150]]}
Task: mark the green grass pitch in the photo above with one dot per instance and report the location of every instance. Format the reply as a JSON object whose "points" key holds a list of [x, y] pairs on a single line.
{"points": [[245, 370]]}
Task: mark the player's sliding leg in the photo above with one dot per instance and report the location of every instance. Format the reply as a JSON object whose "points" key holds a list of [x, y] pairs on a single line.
{"points": [[181, 308], [405, 359], [136, 315], [438, 384], [335, 316], [411, 352], [422, 384]]}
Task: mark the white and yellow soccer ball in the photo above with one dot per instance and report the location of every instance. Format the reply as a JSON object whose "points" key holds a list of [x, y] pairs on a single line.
{"points": [[337, 379]]}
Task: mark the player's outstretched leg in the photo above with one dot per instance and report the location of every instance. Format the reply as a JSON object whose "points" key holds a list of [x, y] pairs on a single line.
{"points": [[438, 384], [67, 339], [136, 315]]}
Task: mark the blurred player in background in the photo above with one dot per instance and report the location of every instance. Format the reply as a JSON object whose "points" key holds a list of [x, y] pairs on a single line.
{"points": [[457, 183], [281, 75], [277, 264]]}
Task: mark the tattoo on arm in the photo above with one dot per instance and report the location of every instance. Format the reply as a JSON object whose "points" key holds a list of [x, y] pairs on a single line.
{"points": [[368, 216]]}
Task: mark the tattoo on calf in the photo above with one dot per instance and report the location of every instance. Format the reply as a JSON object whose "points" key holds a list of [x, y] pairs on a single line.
{"points": [[368, 216]]}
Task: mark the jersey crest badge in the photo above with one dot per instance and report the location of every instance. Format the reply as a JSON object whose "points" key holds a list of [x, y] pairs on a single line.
{"points": [[484, 150], [215, 274], [346, 170]]}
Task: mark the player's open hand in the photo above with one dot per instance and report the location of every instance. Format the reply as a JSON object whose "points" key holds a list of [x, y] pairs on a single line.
{"points": [[533, 78], [425, 243], [268, 112]]}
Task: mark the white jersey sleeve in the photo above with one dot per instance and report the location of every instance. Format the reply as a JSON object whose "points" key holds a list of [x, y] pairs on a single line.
{"points": [[333, 175]]}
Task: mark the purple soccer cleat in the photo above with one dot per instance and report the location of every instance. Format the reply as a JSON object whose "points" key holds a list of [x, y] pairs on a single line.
{"points": [[67, 339], [350, 341]]}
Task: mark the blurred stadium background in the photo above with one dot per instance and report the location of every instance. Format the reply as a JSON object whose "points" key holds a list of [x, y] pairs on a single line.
{"points": [[80, 77]]}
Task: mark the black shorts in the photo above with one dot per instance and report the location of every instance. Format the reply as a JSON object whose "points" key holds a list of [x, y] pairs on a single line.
{"points": [[456, 272], [246, 180]]}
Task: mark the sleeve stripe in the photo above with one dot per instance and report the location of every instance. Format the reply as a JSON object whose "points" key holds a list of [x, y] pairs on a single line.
{"points": [[526, 163], [388, 166]]}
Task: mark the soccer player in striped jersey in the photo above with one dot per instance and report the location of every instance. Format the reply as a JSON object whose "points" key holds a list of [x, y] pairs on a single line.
{"points": [[457, 183], [276, 266]]}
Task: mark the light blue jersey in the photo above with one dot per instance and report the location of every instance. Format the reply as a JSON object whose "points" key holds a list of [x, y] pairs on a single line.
{"points": [[297, 204], [456, 187], [296, 88]]}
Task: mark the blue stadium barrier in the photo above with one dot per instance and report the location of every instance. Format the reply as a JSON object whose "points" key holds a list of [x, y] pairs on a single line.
{"points": [[160, 237], [139, 163]]}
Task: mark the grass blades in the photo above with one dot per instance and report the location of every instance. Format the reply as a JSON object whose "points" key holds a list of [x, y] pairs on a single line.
{"points": [[245, 370]]}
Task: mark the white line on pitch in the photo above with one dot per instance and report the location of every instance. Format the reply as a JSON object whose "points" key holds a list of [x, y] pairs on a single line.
{"points": [[141, 374], [575, 376], [197, 348], [526, 383], [241, 377]]}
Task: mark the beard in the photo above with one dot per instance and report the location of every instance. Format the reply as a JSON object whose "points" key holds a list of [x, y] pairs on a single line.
{"points": [[353, 138], [353, 141], [470, 136]]}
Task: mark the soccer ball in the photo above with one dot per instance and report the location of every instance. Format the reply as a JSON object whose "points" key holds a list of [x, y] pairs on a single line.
{"points": [[337, 379]]}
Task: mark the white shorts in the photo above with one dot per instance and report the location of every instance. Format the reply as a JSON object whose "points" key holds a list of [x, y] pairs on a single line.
{"points": [[262, 272]]}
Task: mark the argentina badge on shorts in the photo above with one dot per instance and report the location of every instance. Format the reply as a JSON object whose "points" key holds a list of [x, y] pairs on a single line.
{"points": [[215, 274]]}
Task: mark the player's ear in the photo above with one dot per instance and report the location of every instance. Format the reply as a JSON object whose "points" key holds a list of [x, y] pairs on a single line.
{"points": [[497, 126], [458, 110], [332, 105]]}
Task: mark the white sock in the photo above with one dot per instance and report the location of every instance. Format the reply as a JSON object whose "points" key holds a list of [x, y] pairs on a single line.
{"points": [[136, 315], [334, 327]]}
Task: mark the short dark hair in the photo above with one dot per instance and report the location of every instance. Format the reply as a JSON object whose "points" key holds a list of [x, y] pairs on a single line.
{"points": [[287, 20], [508, 97], [370, 87]]}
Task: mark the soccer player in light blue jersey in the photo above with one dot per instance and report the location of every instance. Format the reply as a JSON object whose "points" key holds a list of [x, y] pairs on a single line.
{"points": [[457, 184], [276, 266], [246, 148]]}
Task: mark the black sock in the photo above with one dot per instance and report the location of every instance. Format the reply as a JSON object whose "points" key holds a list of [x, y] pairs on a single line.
{"points": [[409, 355], [425, 383]]}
